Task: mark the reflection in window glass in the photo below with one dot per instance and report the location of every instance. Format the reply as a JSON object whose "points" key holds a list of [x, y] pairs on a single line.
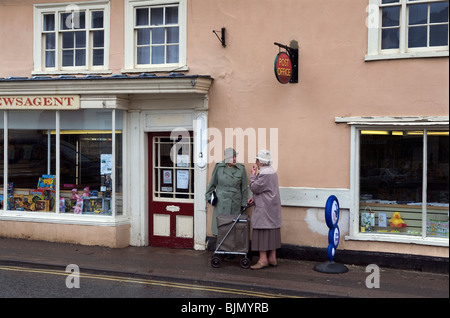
{"points": [[428, 24], [411, 26], [437, 183], [391, 182], [86, 161], [157, 35], [391, 16], [417, 37], [390, 38], [439, 35], [389, 1], [173, 168], [418, 14], [390, 31], [31, 156], [2, 152], [119, 162], [391, 167]]}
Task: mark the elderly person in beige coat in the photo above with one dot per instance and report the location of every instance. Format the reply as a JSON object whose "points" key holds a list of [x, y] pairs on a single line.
{"points": [[266, 217]]}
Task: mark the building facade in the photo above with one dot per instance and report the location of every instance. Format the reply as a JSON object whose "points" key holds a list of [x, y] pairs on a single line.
{"points": [[113, 114]]}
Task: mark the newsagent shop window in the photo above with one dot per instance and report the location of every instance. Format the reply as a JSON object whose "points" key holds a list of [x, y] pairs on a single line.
{"points": [[86, 147], [404, 182]]}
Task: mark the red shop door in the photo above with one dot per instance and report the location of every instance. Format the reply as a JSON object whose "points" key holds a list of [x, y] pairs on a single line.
{"points": [[171, 191]]}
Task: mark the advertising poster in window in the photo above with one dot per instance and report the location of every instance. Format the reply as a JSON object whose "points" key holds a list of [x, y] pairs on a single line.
{"points": [[183, 179], [105, 164], [105, 172]]}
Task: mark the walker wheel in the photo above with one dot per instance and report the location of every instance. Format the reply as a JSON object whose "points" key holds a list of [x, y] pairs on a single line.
{"points": [[245, 262], [216, 261]]}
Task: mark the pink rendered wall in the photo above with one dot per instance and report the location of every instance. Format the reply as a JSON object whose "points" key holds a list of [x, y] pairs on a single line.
{"points": [[334, 79], [16, 36]]}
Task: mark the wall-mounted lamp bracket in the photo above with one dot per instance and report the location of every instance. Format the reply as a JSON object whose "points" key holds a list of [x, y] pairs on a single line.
{"points": [[222, 36], [293, 54]]}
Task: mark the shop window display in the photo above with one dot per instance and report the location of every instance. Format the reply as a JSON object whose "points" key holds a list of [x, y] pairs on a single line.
{"points": [[85, 162], [437, 184], [31, 158], [397, 194], [1, 159]]}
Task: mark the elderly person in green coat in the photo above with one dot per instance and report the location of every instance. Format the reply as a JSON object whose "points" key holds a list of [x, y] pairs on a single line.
{"points": [[229, 180]]}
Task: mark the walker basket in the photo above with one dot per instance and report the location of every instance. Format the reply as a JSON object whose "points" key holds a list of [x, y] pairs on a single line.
{"points": [[237, 241]]}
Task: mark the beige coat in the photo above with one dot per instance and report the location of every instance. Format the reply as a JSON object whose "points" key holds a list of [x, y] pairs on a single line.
{"points": [[266, 194]]}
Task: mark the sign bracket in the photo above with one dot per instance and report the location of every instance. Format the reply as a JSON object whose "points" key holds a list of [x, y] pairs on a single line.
{"points": [[222, 36]]}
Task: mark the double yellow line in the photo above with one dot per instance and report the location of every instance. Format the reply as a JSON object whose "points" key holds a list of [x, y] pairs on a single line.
{"points": [[149, 282]]}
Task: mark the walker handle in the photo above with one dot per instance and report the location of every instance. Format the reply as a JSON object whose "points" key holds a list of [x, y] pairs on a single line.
{"points": [[247, 206]]}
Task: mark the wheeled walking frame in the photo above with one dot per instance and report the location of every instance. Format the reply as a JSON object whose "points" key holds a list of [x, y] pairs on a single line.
{"points": [[233, 238]]}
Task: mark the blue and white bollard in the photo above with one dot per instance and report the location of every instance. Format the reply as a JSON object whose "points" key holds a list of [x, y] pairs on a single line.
{"points": [[332, 212]]}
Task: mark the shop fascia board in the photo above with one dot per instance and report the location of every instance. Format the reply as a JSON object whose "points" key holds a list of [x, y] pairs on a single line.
{"points": [[192, 85]]}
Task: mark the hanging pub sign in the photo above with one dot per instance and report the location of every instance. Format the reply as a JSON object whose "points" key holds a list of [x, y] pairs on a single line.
{"points": [[283, 68]]}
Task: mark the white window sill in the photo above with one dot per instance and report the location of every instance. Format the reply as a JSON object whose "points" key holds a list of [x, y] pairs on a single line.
{"points": [[157, 69], [63, 218], [86, 72], [393, 238], [377, 57]]}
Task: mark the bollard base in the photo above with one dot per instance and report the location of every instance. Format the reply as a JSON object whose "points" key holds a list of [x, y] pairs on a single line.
{"points": [[331, 268]]}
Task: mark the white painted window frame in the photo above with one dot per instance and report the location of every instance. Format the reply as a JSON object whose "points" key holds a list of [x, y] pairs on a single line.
{"points": [[360, 123], [130, 65], [373, 24], [38, 49]]}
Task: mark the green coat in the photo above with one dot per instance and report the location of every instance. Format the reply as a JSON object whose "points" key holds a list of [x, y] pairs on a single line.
{"points": [[231, 189]]}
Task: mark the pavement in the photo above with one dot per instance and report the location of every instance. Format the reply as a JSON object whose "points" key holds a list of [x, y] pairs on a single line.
{"points": [[289, 278]]}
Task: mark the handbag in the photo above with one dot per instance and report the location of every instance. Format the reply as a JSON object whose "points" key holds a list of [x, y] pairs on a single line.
{"points": [[213, 199]]}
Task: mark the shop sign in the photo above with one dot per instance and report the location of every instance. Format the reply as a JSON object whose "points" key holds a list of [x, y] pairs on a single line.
{"points": [[283, 68], [47, 102]]}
